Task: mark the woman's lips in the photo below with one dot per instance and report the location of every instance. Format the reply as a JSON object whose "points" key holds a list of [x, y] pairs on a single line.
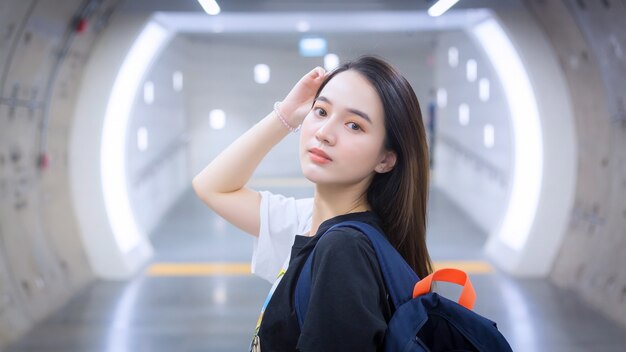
{"points": [[318, 156]]}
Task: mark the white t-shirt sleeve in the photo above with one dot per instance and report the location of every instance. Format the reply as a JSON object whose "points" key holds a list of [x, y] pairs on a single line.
{"points": [[282, 218]]}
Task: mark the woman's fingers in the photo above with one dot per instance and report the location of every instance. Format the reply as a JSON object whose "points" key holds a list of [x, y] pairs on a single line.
{"points": [[301, 95], [314, 77], [318, 72], [313, 80]]}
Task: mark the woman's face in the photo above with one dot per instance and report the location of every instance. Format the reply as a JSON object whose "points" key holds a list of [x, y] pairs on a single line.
{"points": [[347, 124]]}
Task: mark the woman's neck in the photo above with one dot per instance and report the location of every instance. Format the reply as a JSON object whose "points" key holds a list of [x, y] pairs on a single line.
{"points": [[330, 202]]}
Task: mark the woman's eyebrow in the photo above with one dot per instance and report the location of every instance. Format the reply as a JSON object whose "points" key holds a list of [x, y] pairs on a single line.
{"points": [[354, 111], [319, 97]]}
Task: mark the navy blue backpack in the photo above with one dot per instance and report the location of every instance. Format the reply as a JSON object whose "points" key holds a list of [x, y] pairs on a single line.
{"points": [[422, 320]]}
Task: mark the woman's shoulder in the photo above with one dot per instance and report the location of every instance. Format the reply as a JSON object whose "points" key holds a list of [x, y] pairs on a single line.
{"points": [[349, 234], [277, 199], [342, 252], [282, 211], [345, 240]]}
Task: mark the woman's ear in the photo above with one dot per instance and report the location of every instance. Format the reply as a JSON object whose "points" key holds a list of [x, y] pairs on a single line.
{"points": [[388, 162]]}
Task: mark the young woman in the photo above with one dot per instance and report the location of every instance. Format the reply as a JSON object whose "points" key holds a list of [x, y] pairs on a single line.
{"points": [[363, 145]]}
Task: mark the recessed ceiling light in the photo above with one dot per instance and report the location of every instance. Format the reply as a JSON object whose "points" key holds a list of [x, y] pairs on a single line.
{"points": [[464, 114], [311, 47], [177, 81], [331, 61], [483, 89], [217, 119], [261, 73], [148, 92], [303, 26], [142, 138], [472, 70]]}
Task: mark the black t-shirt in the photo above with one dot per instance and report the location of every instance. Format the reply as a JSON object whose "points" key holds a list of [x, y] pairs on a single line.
{"points": [[348, 308]]}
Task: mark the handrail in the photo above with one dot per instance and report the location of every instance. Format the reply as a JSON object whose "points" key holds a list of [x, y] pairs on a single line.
{"points": [[492, 170], [181, 141]]}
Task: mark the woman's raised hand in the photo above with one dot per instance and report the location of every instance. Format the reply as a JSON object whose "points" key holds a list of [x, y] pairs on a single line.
{"points": [[298, 102], [221, 185]]}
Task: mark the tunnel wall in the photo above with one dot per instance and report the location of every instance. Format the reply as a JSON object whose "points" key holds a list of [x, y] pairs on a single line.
{"points": [[159, 174], [463, 165], [42, 260], [590, 47]]}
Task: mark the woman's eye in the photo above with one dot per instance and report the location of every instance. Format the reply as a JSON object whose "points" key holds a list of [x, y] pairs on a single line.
{"points": [[354, 126], [320, 112]]}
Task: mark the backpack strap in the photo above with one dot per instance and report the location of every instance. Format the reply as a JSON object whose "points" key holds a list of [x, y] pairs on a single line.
{"points": [[455, 276], [399, 277]]}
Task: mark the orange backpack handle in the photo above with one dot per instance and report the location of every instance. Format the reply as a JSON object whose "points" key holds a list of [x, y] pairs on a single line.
{"points": [[455, 276]]}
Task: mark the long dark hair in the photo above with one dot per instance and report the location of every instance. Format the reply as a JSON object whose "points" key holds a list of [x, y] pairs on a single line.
{"points": [[399, 197]]}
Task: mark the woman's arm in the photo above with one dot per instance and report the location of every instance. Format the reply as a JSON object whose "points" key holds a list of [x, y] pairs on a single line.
{"points": [[220, 185]]}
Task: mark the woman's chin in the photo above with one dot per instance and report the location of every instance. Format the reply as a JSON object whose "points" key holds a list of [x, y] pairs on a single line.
{"points": [[311, 176], [316, 176]]}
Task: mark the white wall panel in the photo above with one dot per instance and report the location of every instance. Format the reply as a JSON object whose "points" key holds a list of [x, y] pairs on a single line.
{"points": [[470, 174], [159, 174]]}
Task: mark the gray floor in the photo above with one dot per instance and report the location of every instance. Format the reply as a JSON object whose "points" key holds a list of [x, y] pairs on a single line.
{"points": [[218, 313]]}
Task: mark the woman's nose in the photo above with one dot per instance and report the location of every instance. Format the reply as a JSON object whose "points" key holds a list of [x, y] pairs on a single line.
{"points": [[325, 133]]}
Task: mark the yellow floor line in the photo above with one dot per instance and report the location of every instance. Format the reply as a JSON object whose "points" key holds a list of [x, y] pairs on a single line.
{"points": [[470, 267], [198, 269], [234, 269]]}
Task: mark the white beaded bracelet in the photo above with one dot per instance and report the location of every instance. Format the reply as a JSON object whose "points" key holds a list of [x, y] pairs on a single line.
{"points": [[282, 119]]}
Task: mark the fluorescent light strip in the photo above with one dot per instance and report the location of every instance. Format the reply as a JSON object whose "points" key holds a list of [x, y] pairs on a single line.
{"points": [[210, 6], [440, 7], [528, 145], [113, 148]]}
